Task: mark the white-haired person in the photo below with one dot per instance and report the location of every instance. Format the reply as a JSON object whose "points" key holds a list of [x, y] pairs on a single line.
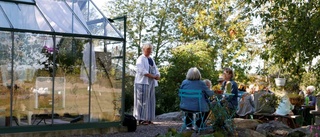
{"points": [[193, 82], [311, 99], [208, 83], [147, 75], [310, 102]]}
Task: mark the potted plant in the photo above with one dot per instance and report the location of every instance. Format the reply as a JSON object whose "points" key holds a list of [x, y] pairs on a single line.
{"points": [[280, 81], [271, 100], [296, 99]]}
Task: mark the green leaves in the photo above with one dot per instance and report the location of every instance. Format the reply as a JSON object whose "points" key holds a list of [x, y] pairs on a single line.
{"points": [[194, 54]]}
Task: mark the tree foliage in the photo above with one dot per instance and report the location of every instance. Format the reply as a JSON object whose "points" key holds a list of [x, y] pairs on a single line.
{"points": [[195, 54], [287, 41], [219, 22], [148, 22], [292, 30]]}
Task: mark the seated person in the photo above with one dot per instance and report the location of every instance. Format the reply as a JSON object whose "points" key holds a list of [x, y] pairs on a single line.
{"points": [[262, 105], [241, 90], [230, 86], [208, 83], [284, 107], [217, 88], [220, 80], [251, 90], [246, 105], [267, 88], [311, 100], [193, 82]]}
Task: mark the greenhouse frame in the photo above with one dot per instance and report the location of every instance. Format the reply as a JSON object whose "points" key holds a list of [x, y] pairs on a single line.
{"points": [[62, 66]]}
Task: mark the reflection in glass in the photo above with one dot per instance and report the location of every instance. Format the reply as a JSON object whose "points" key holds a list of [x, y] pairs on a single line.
{"points": [[28, 61], [61, 17], [70, 66], [93, 18], [5, 56], [106, 90], [25, 16], [3, 23]]}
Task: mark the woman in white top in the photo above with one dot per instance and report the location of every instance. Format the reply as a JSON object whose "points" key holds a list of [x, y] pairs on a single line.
{"points": [[145, 81]]}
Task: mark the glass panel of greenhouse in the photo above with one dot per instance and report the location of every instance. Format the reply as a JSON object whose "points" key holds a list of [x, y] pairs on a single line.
{"points": [[29, 1], [96, 22], [3, 23], [20, 17], [61, 64]]}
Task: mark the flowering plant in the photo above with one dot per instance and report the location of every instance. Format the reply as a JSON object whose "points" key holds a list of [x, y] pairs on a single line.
{"points": [[314, 130]]}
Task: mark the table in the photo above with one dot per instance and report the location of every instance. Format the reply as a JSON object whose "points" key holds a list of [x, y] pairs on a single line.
{"points": [[43, 117]]}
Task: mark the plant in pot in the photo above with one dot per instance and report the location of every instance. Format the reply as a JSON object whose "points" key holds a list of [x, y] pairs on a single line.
{"points": [[271, 100], [280, 80], [296, 99], [294, 92]]}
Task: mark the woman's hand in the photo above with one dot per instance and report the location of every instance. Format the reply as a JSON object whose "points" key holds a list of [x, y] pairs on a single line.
{"points": [[157, 78]]}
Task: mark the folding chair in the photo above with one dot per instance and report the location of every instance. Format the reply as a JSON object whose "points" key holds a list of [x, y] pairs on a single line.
{"points": [[196, 95]]}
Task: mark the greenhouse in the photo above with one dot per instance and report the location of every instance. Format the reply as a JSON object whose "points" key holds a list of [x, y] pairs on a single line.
{"points": [[61, 66]]}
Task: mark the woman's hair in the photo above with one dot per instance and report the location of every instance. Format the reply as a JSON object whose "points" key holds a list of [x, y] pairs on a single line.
{"points": [[193, 74], [229, 71], [262, 85], [208, 82], [252, 86], [311, 88], [242, 87], [147, 45]]}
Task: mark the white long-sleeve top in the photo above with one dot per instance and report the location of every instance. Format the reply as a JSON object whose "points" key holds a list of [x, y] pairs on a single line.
{"points": [[142, 68]]}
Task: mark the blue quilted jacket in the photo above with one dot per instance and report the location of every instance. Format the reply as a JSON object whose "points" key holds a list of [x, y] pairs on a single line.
{"points": [[192, 104]]}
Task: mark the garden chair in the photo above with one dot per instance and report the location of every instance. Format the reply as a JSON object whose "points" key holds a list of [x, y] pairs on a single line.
{"points": [[196, 95]]}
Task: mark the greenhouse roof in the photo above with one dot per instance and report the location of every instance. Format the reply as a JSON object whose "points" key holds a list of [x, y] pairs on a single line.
{"points": [[61, 17]]}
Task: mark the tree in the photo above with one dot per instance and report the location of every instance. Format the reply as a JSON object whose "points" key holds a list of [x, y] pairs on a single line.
{"points": [[148, 21], [220, 22], [292, 30], [194, 54]]}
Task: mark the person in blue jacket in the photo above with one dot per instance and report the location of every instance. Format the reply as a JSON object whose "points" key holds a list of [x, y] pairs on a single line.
{"points": [[228, 75], [193, 82]]}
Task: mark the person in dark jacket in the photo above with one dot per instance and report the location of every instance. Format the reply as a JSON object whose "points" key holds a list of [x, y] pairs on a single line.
{"points": [[228, 76]]}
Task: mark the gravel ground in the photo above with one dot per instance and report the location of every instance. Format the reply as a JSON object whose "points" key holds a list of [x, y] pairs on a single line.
{"points": [[159, 127]]}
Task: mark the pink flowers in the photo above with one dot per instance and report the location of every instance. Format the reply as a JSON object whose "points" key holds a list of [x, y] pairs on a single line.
{"points": [[48, 49], [314, 130]]}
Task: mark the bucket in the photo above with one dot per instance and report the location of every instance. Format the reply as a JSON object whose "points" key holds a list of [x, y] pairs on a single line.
{"points": [[280, 81]]}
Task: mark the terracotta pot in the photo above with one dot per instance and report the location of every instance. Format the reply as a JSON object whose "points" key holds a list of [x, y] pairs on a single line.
{"points": [[297, 101]]}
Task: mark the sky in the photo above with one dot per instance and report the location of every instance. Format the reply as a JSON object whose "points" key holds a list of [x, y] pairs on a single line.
{"points": [[100, 3]]}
